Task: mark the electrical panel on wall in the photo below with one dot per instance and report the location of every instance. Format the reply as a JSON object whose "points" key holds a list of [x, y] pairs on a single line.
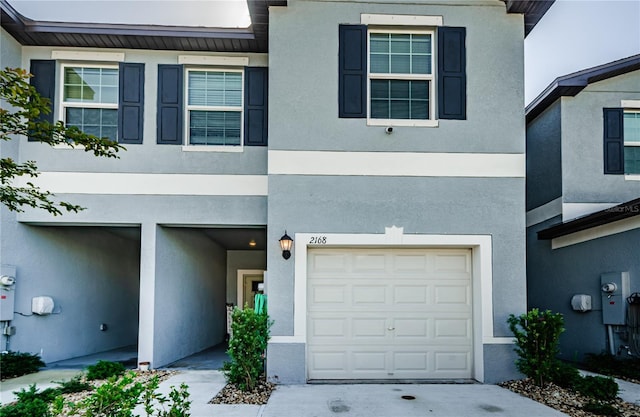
{"points": [[615, 290], [7, 292]]}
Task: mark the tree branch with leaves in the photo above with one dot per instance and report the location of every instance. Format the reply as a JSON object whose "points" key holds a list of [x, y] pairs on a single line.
{"points": [[21, 115]]}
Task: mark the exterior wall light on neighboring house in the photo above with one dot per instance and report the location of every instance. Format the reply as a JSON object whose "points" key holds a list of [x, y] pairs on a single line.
{"points": [[285, 245]]}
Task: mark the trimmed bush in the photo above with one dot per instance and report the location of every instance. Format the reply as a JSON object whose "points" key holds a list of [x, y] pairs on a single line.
{"points": [[246, 348], [601, 409], [537, 336], [104, 370], [565, 375], [14, 364], [75, 384], [30, 403], [598, 387]]}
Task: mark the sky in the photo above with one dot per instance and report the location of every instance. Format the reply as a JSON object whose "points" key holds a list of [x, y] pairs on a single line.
{"points": [[573, 35]]}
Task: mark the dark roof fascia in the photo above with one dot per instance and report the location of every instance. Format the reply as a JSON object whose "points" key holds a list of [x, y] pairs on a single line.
{"points": [[533, 11], [572, 84], [38, 33], [599, 218]]}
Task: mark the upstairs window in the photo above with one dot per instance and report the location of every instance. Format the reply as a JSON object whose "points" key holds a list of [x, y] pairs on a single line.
{"points": [[631, 123], [90, 99], [400, 76], [214, 107]]}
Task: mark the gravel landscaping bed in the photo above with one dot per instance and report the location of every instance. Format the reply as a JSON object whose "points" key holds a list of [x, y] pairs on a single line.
{"points": [[231, 394], [566, 401]]}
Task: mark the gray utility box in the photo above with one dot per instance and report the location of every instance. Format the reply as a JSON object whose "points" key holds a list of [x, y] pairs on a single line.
{"points": [[615, 290]]}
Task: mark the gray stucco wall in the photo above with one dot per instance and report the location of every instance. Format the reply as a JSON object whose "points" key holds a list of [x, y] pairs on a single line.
{"points": [[92, 275], [554, 276], [242, 259], [582, 147], [544, 164], [190, 294], [305, 118]]}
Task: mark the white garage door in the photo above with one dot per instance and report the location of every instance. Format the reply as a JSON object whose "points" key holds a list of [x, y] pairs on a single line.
{"points": [[389, 314]]}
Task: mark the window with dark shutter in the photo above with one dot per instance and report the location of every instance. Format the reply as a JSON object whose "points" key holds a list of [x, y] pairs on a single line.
{"points": [[452, 84], [131, 103], [352, 70], [613, 141], [44, 81], [170, 115], [255, 106]]}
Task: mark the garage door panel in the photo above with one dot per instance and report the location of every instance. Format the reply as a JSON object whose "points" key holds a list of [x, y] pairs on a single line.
{"points": [[370, 263], [410, 294], [389, 314], [331, 294], [373, 327], [369, 294]]}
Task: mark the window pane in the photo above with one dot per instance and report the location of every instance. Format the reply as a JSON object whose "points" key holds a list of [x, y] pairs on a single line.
{"points": [[379, 64], [631, 159], [400, 64], [215, 89], [379, 43], [90, 85], [97, 122], [214, 127], [399, 99], [400, 53], [632, 127], [400, 43]]}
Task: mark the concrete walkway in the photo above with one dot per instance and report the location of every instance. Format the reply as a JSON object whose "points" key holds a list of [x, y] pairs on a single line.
{"points": [[348, 400], [339, 400]]}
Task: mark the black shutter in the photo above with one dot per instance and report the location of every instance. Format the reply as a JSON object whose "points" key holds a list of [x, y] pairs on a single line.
{"points": [[613, 141], [452, 79], [255, 106], [170, 115], [352, 70], [44, 81], [131, 103]]}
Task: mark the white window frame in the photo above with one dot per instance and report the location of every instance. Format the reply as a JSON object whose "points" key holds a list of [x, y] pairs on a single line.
{"points": [[62, 114], [431, 78], [187, 147], [631, 144]]}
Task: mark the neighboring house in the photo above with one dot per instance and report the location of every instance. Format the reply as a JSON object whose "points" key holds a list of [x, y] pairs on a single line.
{"points": [[392, 151], [583, 205]]}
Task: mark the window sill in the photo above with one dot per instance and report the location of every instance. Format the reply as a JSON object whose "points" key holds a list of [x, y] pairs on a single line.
{"points": [[205, 148], [398, 122], [632, 177], [69, 147]]}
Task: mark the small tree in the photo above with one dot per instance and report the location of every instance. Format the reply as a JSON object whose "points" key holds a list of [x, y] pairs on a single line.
{"points": [[537, 336], [250, 334], [23, 118]]}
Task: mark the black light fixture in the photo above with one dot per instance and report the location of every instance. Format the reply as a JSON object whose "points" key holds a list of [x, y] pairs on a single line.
{"points": [[285, 245]]}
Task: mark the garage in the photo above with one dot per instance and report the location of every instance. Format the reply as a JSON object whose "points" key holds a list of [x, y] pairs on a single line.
{"points": [[392, 314]]}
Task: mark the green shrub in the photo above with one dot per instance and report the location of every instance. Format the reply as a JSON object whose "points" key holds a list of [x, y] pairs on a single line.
{"points": [[75, 384], [598, 387], [246, 348], [565, 375], [601, 409], [608, 364], [104, 370], [537, 335], [178, 402], [14, 364], [30, 403], [35, 408], [115, 398]]}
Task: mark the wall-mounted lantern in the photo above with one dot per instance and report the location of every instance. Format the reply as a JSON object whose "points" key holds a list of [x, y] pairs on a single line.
{"points": [[285, 245]]}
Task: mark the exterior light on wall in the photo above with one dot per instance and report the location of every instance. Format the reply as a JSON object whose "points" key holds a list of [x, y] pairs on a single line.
{"points": [[285, 245], [252, 243]]}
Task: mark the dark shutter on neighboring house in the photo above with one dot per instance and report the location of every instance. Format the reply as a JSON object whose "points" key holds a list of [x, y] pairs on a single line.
{"points": [[130, 103], [352, 69], [44, 81], [170, 115], [452, 82], [255, 106], [613, 141]]}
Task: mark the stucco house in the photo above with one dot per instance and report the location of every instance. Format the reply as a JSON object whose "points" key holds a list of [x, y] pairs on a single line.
{"points": [[583, 207], [388, 140]]}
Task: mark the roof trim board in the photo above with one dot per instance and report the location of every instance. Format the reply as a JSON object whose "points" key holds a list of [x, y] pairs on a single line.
{"points": [[572, 84]]}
